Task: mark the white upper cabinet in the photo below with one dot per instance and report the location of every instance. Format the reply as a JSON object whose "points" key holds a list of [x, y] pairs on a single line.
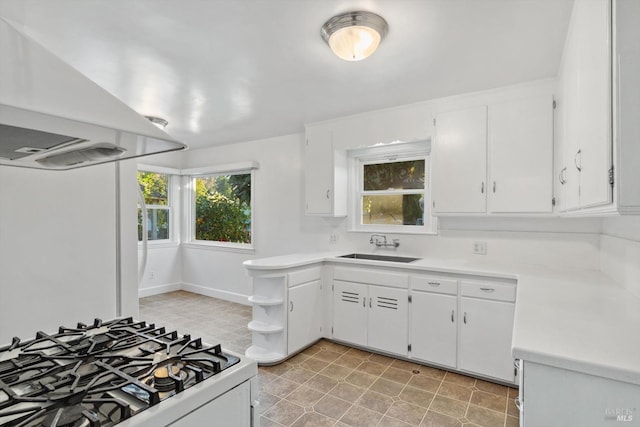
{"points": [[460, 161], [599, 129], [325, 174], [496, 159], [521, 156]]}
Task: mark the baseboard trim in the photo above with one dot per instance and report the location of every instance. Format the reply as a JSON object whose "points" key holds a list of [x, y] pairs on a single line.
{"points": [[216, 293], [161, 289]]}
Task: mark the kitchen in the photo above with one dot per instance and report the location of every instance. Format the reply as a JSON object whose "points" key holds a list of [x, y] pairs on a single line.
{"points": [[229, 128]]}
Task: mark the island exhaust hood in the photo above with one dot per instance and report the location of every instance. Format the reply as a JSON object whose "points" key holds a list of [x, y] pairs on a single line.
{"points": [[54, 117]]}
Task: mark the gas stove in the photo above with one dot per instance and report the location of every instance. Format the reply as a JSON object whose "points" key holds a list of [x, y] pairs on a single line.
{"points": [[105, 373]]}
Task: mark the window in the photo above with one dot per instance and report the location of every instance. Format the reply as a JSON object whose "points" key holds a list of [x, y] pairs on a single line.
{"points": [[156, 190], [222, 208], [391, 185]]}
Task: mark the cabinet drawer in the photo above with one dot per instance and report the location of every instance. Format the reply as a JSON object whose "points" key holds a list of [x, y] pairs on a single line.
{"points": [[489, 290], [434, 284], [304, 276], [372, 277]]}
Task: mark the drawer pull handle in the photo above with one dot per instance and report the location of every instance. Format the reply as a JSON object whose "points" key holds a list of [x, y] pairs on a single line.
{"points": [[518, 403], [370, 302], [464, 318], [487, 289], [364, 302], [434, 283], [290, 306], [452, 313]]}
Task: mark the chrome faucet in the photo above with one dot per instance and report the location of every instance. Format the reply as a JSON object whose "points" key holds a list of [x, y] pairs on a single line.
{"points": [[375, 239]]}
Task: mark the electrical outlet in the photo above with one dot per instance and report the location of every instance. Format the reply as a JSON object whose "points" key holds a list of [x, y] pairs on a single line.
{"points": [[480, 248], [333, 239]]}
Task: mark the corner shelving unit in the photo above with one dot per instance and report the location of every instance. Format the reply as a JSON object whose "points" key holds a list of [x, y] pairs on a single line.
{"points": [[269, 318]]}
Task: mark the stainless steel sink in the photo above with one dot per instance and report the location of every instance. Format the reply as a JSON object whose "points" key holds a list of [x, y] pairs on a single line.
{"points": [[372, 257]]}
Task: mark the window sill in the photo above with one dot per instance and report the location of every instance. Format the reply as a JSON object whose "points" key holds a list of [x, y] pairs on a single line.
{"points": [[160, 244], [221, 246], [391, 231]]}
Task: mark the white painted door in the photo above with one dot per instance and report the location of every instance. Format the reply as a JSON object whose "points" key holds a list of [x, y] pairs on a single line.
{"points": [[350, 312], [318, 173], [521, 156], [304, 315], [460, 161], [485, 338], [388, 317], [434, 327]]}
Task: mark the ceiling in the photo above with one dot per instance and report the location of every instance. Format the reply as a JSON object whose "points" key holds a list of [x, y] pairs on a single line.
{"points": [[225, 71]]}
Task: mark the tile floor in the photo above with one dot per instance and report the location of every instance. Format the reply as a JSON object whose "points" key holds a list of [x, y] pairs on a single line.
{"points": [[329, 384]]}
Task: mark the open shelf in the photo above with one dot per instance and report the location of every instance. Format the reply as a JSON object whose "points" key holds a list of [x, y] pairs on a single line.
{"points": [[264, 328], [264, 301]]}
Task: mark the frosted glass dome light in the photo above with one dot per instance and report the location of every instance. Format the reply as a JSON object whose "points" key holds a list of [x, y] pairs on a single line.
{"points": [[354, 36]]}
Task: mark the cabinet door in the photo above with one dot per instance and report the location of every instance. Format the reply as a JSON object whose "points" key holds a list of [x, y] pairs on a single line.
{"points": [[388, 317], [350, 312], [521, 156], [434, 328], [460, 161], [304, 315], [318, 174], [485, 338]]}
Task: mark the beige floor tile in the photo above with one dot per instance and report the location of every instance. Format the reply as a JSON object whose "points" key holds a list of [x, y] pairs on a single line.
{"points": [[404, 365], [375, 401], [267, 400], [391, 422], [512, 421], [489, 401], [281, 387], [459, 379], [498, 389], [348, 361], [358, 416], [347, 392], [432, 372], [383, 360], [425, 383], [336, 371], [356, 352], [266, 422], [485, 417], [435, 419], [387, 387], [513, 392], [331, 407], [327, 355], [455, 391], [298, 359], [310, 351], [338, 348], [277, 369], [284, 412], [397, 375], [372, 368], [416, 396], [448, 406], [304, 396], [410, 414], [298, 375], [511, 408], [360, 379], [313, 419], [313, 364], [321, 383]]}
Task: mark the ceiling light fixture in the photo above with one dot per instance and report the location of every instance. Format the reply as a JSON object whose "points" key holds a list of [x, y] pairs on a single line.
{"points": [[159, 122], [353, 36]]}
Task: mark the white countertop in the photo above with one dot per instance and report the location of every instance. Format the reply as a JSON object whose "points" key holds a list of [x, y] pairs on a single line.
{"points": [[573, 319]]}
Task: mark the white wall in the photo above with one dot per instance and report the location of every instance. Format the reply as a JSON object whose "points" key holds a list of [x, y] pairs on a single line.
{"points": [[620, 251], [57, 249], [279, 227]]}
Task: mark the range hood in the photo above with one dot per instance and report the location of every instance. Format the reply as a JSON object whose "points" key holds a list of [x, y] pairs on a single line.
{"points": [[42, 141], [54, 117]]}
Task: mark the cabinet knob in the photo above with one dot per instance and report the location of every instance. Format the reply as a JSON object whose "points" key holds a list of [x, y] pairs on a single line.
{"points": [[290, 306]]}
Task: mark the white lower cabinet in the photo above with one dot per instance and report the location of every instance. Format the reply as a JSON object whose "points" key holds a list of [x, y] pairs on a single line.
{"points": [[486, 329], [372, 316], [433, 327], [304, 316]]}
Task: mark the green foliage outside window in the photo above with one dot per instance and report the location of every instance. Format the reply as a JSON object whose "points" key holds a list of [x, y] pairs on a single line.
{"points": [[155, 189], [223, 208]]}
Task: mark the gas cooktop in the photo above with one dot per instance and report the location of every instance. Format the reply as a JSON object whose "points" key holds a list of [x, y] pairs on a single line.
{"points": [[100, 374]]}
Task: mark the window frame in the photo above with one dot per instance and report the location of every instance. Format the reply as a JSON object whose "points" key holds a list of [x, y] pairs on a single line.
{"points": [[189, 176], [388, 153], [173, 176]]}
